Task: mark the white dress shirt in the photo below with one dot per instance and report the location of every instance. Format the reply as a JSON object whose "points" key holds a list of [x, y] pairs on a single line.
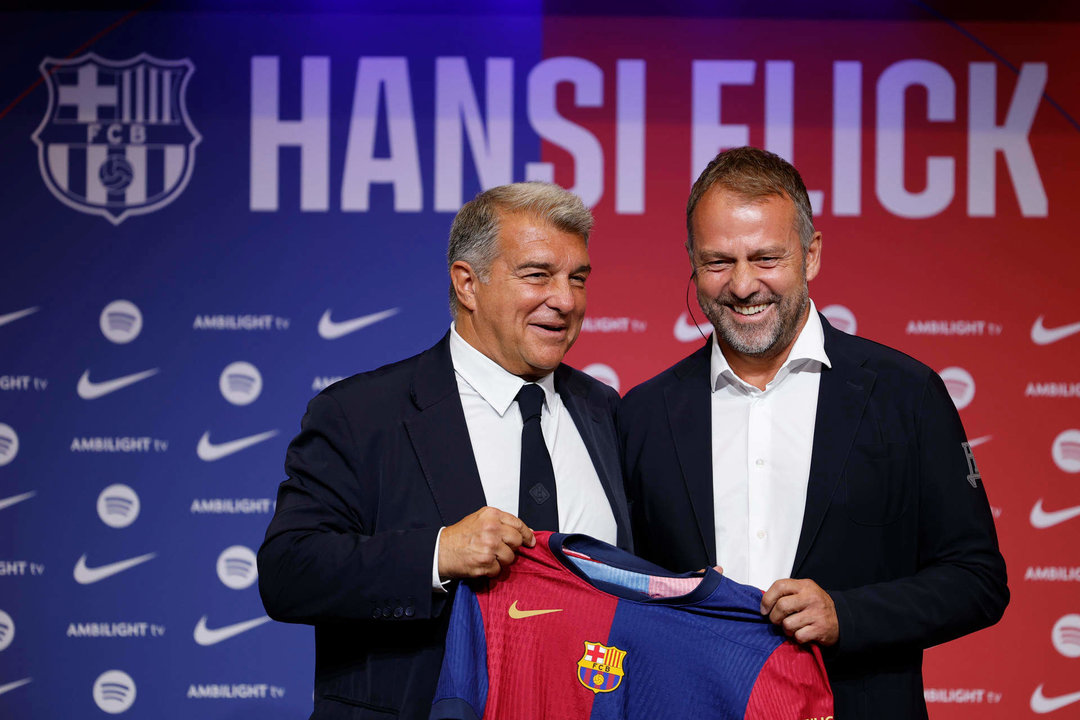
{"points": [[761, 446], [494, 422]]}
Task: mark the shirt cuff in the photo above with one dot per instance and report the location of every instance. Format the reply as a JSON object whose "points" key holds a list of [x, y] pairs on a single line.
{"points": [[438, 585]]}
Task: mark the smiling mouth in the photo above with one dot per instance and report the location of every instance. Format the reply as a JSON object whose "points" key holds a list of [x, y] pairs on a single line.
{"points": [[748, 310], [550, 328]]}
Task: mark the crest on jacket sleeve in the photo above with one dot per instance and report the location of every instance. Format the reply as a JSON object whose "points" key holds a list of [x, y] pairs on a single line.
{"points": [[601, 667], [116, 139]]}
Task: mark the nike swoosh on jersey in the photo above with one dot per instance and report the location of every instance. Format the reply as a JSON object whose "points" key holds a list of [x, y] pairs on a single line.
{"points": [[1041, 335], [210, 452], [12, 685], [686, 331], [89, 390], [330, 330], [85, 575], [1042, 519], [212, 636], [13, 316], [1041, 704], [520, 614], [9, 501]]}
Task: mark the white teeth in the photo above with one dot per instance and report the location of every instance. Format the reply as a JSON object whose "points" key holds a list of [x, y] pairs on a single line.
{"points": [[748, 309]]}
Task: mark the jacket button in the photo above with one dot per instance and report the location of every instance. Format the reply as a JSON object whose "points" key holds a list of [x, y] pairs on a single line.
{"points": [[398, 612], [376, 613], [409, 612]]}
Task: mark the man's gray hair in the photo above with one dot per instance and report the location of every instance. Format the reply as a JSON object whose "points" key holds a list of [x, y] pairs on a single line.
{"points": [[475, 232], [754, 175]]}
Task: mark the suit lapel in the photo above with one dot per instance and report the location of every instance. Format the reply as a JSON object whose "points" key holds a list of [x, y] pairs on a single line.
{"points": [[588, 418], [440, 436], [842, 396], [689, 408]]}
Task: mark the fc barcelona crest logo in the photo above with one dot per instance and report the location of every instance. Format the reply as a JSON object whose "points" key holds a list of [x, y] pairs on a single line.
{"points": [[600, 668], [116, 140]]}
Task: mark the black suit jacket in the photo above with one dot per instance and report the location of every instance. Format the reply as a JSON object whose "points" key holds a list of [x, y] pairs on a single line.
{"points": [[383, 460], [894, 529]]}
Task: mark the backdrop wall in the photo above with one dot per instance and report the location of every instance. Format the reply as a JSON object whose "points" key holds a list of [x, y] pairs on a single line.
{"points": [[211, 215]]}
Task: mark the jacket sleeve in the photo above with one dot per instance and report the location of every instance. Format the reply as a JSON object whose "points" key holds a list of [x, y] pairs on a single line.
{"points": [[960, 584], [322, 560]]}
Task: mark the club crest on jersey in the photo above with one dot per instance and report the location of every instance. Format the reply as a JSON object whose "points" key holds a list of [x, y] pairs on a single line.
{"points": [[601, 667], [116, 139]]}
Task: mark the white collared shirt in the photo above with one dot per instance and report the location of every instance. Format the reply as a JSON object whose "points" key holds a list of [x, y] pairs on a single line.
{"points": [[494, 422], [761, 446]]}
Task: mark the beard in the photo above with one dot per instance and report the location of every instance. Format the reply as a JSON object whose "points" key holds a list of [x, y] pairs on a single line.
{"points": [[764, 340]]}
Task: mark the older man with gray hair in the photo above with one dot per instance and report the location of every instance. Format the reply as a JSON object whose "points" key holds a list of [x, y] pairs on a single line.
{"points": [[440, 466]]}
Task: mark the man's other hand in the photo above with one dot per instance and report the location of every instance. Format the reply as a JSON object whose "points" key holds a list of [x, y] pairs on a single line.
{"points": [[803, 610], [482, 544]]}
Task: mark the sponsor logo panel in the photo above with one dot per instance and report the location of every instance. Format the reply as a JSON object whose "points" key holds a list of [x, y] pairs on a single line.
{"points": [[90, 390], [17, 315], [15, 383], [20, 568], [124, 630], [1052, 573], [7, 631], [321, 382], [953, 328], [1066, 636], [1042, 519], [687, 331], [207, 636], [233, 506], [1066, 451], [964, 696], [1042, 703], [236, 567], [118, 506], [114, 691], [234, 691], [240, 322], [9, 444], [1042, 335], [119, 444], [613, 325], [16, 499], [121, 321], [240, 383], [331, 330], [8, 687], [1052, 390], [209, 451], [86, 575]]}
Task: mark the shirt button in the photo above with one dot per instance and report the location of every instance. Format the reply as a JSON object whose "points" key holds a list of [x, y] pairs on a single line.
{"points": [[761, 534], [760, 462]]}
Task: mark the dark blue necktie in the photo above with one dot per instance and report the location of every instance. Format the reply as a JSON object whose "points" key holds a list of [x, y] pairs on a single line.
{"points": [[537, 506]]}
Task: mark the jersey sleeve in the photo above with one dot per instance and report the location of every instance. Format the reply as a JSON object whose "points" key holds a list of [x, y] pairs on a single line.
{"points": [[791, 684], [463, 682]]}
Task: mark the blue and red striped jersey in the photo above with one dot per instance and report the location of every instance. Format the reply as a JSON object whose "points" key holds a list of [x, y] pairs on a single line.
{"points": [[578, 629]]}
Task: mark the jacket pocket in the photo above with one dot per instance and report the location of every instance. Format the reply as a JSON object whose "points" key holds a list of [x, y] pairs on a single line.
{"points": [[875, 481]]}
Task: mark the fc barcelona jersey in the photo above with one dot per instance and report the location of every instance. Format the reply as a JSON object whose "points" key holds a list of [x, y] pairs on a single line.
{"points": [[578, 629]]}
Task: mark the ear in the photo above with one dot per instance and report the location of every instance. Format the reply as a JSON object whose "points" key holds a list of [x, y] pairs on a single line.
{"points": [[465, 281], [813, 257]]}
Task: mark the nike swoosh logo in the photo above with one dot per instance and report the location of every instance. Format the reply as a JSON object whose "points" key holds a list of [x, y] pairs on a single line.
{"points": [[519, 614], [12, 685], [89, 390], [976, 442], [1041, 519], [210, 452], [1041, 704], [686, 331], [9, 501], [212, 636], [12, 317], [86, 575], [330, 330], [1041, 335]]}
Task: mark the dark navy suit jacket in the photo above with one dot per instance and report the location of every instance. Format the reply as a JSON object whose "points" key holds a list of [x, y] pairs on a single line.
{"points": [[896, 527], [383, 460]]}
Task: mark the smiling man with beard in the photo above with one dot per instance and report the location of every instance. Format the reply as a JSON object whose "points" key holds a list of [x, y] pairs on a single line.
{"points": [[830, 471]]}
